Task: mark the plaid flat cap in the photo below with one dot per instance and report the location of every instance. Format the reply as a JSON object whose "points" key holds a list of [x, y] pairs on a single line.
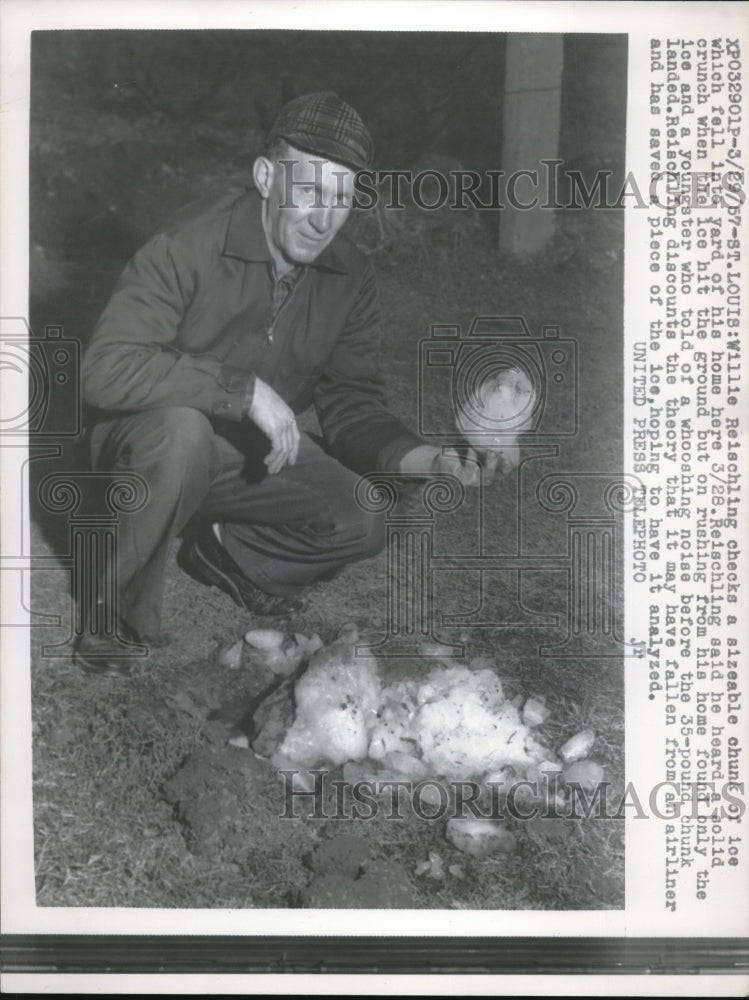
{"points": [[324, 124]]}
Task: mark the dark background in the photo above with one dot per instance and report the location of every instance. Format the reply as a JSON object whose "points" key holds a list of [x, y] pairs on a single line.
{"points": [[126, 126]]}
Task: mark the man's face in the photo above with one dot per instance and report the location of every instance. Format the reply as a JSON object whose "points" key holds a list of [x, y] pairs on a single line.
{"points": [[307, 199]]}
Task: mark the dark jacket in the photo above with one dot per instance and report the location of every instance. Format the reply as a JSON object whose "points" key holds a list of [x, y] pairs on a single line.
{"points": [[190, 324]]}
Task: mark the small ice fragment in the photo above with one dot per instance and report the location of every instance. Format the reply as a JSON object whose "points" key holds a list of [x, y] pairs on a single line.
{"points": [[437, 869], [314, 643], [535, 712], [264, 638], [578, 747], [588, 774], [231, 657], [480, 837], [284, 662]]}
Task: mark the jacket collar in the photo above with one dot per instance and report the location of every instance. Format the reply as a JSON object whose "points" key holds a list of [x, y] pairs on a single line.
{"points": [[245, 237]]}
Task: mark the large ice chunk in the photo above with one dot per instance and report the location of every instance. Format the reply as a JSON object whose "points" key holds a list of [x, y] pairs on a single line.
{"points": [[336, 702]]}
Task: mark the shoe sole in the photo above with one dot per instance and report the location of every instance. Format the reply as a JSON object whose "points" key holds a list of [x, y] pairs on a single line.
{"points": [[209, 574], [95, 669]]}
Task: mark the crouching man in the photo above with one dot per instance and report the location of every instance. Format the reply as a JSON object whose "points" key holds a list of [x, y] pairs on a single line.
{"points": [[219, 332]]}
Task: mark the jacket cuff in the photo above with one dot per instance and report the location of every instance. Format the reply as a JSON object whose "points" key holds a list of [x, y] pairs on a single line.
{"points": [[389, 457], [236, 391]]}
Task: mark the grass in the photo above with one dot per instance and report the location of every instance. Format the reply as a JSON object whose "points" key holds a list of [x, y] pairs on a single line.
{"points": [[131, 779]]}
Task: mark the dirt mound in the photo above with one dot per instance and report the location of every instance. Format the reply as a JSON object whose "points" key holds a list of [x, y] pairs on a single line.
{"points": [[229, 805], [221, 797], [348, 875], [209, 793]]}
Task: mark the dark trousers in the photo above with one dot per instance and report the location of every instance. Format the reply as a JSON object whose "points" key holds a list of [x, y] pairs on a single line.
{"points": [[284, 531]]}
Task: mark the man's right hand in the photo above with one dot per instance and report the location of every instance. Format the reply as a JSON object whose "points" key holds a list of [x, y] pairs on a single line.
{"points": [[431, 460], [277, 421]]}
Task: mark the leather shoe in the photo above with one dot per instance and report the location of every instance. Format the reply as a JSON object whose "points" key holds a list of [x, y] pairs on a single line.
{"points": [[104, 656], [206, 559]]}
